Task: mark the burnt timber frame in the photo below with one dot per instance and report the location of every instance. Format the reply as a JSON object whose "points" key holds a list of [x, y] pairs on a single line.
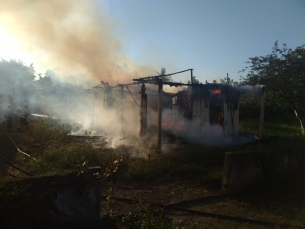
{"points": [[158, 80]]}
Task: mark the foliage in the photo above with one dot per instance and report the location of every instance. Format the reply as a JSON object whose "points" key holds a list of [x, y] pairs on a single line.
{"points": [[148, 217], [16, 79], [109, 220], [59, 152], [283, 73], [6, 98], [284, 128], [14, 70], [193, 163], [48, 132], [195, 81], [164, 78], [249, 107]]}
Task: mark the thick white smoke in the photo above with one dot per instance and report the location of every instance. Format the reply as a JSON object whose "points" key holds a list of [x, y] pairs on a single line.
{"points": [[71, 36]]}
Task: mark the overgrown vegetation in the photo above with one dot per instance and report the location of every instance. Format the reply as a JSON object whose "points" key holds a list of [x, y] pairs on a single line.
{"points": [[58, 152], [283, 73], [187, 164], [147, 217]]}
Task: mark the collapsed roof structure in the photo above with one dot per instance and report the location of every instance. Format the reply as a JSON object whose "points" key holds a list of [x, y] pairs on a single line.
{"points": [[208, 104]]}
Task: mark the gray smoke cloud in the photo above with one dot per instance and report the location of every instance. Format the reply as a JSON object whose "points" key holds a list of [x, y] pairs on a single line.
{"points": [[75, 37], [71, 36]]}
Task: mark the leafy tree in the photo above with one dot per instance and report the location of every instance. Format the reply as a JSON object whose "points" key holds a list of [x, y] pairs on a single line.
{"points": [[16, 79], [283, 73], [164, 78], [195, 81]]}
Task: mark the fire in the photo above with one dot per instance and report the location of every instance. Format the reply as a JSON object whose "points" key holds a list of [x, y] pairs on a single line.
{"points": [[166, 125], [256, 138], [216, 91], [170, 126], [220, 116]]}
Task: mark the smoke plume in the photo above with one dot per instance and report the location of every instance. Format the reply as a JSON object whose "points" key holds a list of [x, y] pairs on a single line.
{"points": [[76, 38], [71, 36]]}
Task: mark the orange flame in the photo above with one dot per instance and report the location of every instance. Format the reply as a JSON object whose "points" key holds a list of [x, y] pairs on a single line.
{"points": [[256, 138], [216, 91]]}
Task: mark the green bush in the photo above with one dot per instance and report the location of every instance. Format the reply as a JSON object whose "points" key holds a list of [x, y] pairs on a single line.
{"points": [[48, 132], [58, 152], [148, 217], [192, 163]]}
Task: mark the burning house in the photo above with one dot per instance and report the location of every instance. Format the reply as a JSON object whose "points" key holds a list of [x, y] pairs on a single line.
{"points": [[196, 113], [203, 108], [213, 104]]}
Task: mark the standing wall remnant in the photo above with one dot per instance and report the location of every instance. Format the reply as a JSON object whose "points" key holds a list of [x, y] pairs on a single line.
{"points": [[143, 112], [244, 171], [63, 198]]}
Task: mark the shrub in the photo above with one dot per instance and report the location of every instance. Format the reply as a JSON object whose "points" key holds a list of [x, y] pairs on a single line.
{"points": [[148, 217]]}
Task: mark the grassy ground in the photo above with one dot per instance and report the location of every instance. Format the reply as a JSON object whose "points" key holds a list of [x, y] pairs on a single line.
{"points": [[58, 152], [286, 129], [283, 126]]}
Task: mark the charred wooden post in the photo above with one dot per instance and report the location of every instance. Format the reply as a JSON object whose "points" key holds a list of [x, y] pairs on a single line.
{"points": [[93, 108], [160, 89], [104, 104], [261, 126], [236, 119], [192, 95], [122, 108], [143, 111]]}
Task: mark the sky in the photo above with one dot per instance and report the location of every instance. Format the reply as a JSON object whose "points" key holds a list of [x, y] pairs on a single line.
{"points": [[214, 37]]}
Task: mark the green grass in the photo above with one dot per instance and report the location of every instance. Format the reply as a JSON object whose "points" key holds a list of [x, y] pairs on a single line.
{"points": [[147, 217], [58, 153], [281, 125], [285, 127], [195, 163]]}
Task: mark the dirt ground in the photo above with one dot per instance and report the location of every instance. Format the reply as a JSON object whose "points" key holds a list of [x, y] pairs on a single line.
{"points": [[215, 207], [197, 197]]}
